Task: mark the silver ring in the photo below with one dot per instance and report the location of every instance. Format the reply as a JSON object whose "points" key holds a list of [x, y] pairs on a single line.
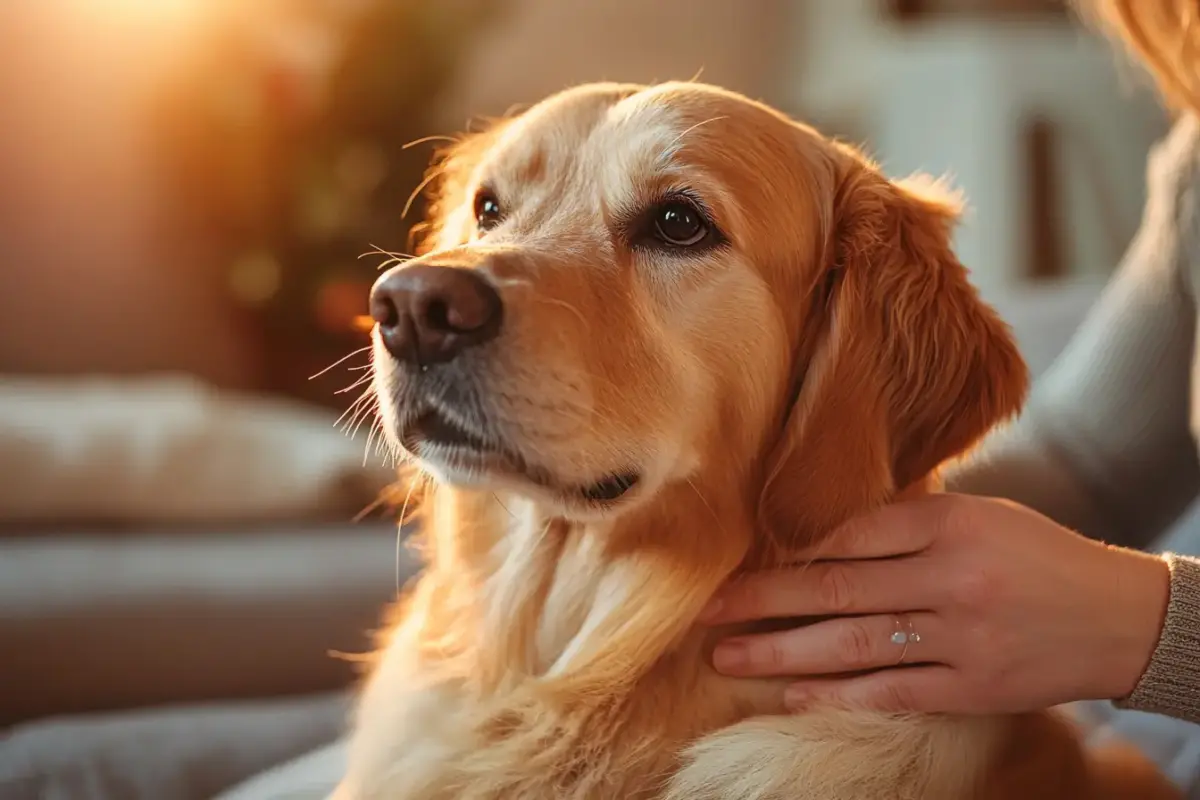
{"points": [[904, 635]]}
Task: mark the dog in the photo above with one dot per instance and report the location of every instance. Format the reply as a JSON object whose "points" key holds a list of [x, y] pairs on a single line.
{"points": [[656, 336]]}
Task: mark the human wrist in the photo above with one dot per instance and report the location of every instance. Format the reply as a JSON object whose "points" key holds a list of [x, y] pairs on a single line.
{"points": [[1137, 588]]}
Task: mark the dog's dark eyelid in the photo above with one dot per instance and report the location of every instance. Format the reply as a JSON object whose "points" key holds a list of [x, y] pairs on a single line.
{"points": [[640, 227]]}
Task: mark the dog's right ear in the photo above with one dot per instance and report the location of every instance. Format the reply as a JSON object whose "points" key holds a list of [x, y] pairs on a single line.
{"points": [[448, 218]]}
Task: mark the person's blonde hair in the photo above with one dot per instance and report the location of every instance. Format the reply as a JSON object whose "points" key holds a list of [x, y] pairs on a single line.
{"points": [[1164, 35]]}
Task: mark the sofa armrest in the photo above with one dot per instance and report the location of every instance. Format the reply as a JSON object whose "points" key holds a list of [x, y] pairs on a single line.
{"points": [[93, 622], [188, 752]]}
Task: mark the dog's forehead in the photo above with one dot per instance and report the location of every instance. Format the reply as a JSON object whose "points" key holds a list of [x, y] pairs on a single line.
{"points": [[624, 137], [586, 155]]}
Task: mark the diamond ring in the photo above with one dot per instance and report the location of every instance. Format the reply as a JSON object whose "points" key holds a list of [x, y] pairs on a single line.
{"points": [[904, 635]]}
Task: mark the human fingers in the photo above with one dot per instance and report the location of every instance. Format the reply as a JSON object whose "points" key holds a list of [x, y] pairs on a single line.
{"points": [[845, 644], [929, 688], [827, 588], [893, 530]]}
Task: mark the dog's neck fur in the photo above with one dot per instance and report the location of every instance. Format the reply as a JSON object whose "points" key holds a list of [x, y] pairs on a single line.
{"points": [[560, 644], [586, 605], [597, 602], [585, 609]]}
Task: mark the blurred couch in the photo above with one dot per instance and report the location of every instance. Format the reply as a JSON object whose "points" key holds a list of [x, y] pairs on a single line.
{"points": [[178, 570], [172, 663]]}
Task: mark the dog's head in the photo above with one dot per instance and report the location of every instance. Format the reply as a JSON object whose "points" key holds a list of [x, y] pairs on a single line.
{"points": [[627, 288]]}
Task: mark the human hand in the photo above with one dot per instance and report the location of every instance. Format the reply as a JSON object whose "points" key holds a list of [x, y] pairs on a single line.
{"points": [[1012, 612]]}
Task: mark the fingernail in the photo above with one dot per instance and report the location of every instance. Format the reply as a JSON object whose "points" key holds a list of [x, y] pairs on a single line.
{"points": [[730, 656], [711, 610]]}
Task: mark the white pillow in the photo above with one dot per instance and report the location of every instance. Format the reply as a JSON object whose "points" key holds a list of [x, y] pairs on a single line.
{"points": [[170, 448]]}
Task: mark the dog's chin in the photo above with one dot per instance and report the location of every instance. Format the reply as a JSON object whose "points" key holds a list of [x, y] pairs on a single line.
{"points": [[457, 454]]}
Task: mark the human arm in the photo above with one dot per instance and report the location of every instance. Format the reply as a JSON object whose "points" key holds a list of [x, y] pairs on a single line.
{"points": [[1104, 444]]}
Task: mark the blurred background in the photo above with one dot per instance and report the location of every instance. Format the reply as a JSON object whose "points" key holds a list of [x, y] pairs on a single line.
{"points": [[187, 192]]}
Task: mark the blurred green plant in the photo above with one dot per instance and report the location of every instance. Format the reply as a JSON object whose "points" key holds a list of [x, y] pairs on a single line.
{"points": [[287, 134]]}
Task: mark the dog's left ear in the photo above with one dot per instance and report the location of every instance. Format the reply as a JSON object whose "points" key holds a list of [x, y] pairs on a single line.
{"points": [[910, 367]]}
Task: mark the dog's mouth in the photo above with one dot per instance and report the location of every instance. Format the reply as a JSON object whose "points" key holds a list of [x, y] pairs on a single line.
{"points": [[479, 451], [436, 428]]}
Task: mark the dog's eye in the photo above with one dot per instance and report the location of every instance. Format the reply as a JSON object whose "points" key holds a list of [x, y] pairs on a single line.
{"points": [[680, 224], [487, 211]]}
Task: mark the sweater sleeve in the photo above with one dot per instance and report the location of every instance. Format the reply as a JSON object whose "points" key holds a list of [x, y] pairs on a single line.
{"points": [[1171, 683], [1104, 443]]}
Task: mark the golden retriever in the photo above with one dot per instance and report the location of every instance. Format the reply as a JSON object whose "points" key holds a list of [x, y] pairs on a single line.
{"points": [[659, 335]]}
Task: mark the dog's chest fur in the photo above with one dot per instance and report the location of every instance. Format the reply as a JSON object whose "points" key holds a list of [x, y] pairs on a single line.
{"points": [[471, 719], [439, 742]]}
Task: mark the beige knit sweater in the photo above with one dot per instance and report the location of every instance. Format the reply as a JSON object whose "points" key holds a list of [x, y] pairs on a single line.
{"points": [[1107, 444]]}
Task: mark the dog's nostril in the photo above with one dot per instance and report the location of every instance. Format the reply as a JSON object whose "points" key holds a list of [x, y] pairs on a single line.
{"points": [[385, 312], [437, 315]]}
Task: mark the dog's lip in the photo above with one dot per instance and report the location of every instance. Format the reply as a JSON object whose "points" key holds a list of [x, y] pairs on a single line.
{"points": [[475, 446], [435, 427], [479, 448]]}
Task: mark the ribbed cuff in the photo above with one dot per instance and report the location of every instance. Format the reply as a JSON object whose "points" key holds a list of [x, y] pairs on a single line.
{"points": [[1171, 683]]}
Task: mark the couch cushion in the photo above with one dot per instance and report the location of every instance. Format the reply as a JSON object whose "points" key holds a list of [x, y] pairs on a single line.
{"points": [[98, 622]]}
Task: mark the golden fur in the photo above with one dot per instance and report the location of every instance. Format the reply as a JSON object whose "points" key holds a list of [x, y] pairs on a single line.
{"points": [[830, 357], [1164, 35]]}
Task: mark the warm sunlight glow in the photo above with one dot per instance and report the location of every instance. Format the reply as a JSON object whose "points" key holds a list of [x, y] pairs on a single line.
{"points": [[160, 13]]}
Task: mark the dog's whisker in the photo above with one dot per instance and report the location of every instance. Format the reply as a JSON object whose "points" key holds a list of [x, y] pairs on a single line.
{"points": [[353, 408], [500, 503], [358, 381], [365, 407], [712, 511], [430, 178], [351, 414], [554, 301], [355, 385], [679, 138], [341, 360], [412, 487], [365, 410], [392, 258], [437, 137], [376, 250], [369, 411], [376, 427], [347, 417]]}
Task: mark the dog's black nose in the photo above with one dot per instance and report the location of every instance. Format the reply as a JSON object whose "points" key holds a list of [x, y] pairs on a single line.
{"points": [[429, 314]]}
